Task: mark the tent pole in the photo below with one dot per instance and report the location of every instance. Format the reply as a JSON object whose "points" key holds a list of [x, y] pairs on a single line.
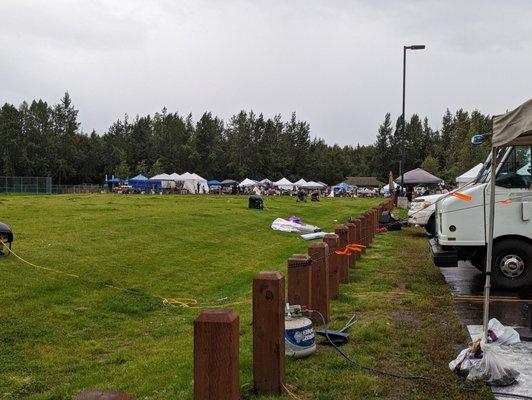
{"points": [[489, 249]]}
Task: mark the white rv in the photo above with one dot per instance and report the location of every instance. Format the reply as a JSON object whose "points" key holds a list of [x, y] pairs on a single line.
{"points": [[462, 223]]}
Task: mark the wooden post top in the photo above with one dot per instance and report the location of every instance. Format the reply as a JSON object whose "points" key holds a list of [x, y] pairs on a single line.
{"points": [[341, 229], [317, 245], [269, 276], [298, 260], [217, 315], [331, 236]]}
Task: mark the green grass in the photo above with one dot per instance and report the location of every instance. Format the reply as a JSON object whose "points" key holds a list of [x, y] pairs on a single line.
{"points": [[60, 335]]}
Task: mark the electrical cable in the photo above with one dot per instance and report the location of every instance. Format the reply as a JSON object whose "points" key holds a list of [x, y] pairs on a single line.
{"points": [[520, 396], [182, 302], [400, 376]]}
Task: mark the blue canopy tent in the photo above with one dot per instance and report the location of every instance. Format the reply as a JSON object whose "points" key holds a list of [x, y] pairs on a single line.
{"points": [[213, 183], [139, 182], [114, 181]]}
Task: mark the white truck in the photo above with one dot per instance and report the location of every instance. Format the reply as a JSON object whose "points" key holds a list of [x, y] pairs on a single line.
{"points": [[422, 212], [462, 223]]}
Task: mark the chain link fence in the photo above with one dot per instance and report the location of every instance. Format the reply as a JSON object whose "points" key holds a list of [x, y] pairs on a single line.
{"points": [[25, 184], [42, 185]]}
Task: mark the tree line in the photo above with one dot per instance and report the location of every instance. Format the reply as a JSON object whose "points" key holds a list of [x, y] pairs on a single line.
{"points": [[39, 139]]}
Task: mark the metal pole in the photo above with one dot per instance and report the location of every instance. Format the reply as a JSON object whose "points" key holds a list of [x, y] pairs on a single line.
{"points": [[489, 249], [403, 120]]}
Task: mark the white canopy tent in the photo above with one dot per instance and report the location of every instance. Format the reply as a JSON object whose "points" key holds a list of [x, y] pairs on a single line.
{"points": [[300, 183], [284, 184], [265, 182], [386, 188], [175, 176], [469, 175], [312, 185], [511, 129], [194, 183], [166, 181], [248, 183]]}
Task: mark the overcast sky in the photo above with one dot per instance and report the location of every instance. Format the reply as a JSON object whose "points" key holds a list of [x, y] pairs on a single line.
{"points": [[337, 64]]}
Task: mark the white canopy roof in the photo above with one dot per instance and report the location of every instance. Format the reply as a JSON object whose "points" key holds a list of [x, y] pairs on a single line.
{"points": [[247, 182], [175, 176], [161, 177], [265, 182], [469, 175], [312, 185], [300, 182], [514, 127], [187, 176], [284, 184], [197, 177]]}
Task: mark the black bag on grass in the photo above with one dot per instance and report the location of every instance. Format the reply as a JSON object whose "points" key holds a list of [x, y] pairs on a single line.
{"points": [[256, 202], [387, 220]]}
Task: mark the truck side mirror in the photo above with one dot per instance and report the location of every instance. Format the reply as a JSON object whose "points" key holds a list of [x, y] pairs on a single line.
{"points": [[478, 139]]}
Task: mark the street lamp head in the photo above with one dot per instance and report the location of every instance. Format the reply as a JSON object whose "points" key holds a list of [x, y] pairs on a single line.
{"points": [[416, 47]]}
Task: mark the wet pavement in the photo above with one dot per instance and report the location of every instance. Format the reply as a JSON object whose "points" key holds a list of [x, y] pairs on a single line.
{"points": [[466, 280]]}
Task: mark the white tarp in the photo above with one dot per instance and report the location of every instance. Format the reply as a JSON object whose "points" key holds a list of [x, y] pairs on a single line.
{"points": [[284, 184], [247, 183], [285, 225], [469, 175]]}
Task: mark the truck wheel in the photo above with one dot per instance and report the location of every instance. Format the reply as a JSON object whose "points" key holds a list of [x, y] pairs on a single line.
{"points": [[511, 267], [431, 227]]}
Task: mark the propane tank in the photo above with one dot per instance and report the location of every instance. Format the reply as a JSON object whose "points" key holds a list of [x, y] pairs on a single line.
{"points": [[299, 333]]}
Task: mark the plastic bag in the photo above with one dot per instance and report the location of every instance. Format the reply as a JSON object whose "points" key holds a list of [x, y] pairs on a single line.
{"points": [[501, 334], [467, 358], [464, 362], [493, 367]]}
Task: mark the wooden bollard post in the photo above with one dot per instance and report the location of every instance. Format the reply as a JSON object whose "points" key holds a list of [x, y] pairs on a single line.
{"points": [[368, 228], [351, 228], [300, 280], [320, 280], [334, 277], [268, 332], [216, 372], [364, 219], [358, 225], [343, 266], [373, 222]]}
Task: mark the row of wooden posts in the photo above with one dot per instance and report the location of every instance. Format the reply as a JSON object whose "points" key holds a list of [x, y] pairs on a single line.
{"points": [[313, 280]]}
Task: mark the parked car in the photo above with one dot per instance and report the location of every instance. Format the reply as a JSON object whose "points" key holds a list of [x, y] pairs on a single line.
{"points": [[421, 212]]}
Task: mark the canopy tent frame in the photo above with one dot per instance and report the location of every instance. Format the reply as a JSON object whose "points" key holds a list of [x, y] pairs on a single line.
{"points": [[510, 129]]}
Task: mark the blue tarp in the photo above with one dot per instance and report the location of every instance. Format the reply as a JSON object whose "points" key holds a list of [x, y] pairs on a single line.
{"points": [[114, 180], [213, 182]]}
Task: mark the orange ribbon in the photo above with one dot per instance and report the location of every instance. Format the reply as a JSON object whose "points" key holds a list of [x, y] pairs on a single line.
{"points": [[350, 249], [462, 196]]}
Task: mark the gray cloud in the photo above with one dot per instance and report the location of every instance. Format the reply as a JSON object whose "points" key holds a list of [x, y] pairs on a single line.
{"points": [[336, 63]]}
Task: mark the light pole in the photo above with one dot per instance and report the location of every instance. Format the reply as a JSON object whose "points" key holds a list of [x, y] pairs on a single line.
{"points": [[403, 123]]}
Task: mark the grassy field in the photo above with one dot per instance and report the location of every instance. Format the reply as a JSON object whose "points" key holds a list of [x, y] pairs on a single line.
{"points": [[60, 335]]}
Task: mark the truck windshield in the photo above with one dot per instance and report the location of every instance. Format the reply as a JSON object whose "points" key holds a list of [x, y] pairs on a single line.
{"points": [[484, 173], [516, 171]]}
